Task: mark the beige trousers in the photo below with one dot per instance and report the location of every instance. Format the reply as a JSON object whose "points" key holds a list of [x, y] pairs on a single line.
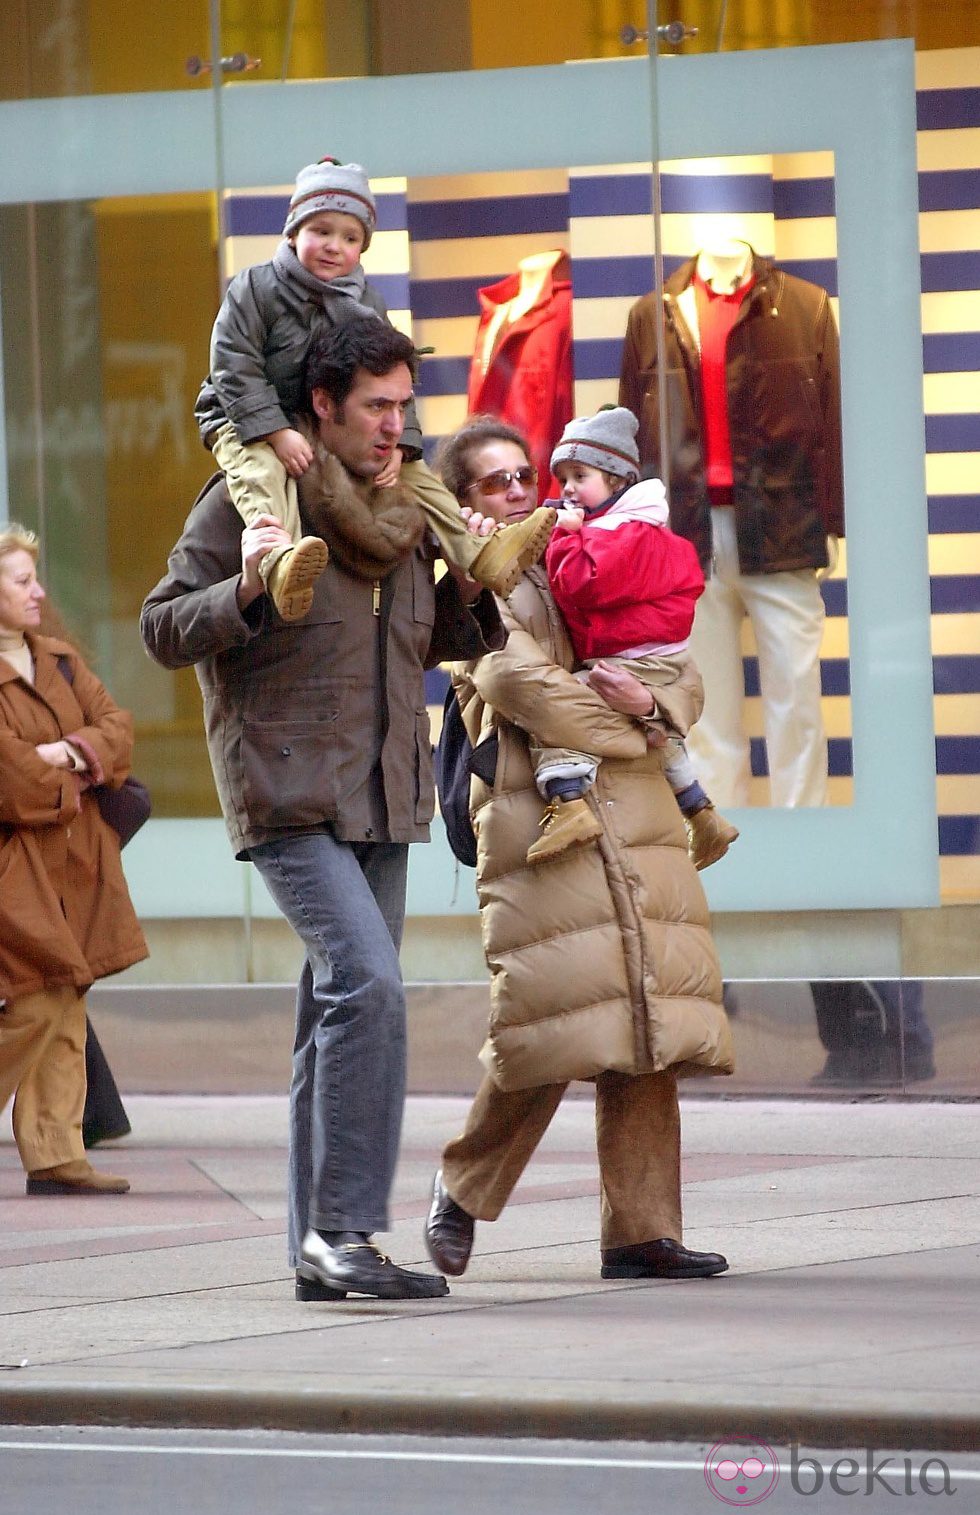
{"points": [[638, 1136], [42, 1064], [259, 485]]}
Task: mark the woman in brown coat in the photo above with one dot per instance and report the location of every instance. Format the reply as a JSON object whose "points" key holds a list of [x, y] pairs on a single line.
{"points": [[602, 963], [66, 918]]}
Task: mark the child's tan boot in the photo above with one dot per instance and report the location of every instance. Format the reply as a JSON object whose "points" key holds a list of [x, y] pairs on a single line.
{"points": [[565, 823], [291, 581], [511, 549], [709, 836]]}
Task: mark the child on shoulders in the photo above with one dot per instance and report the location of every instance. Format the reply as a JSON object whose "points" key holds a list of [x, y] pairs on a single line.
{"points": [[247, 404]]}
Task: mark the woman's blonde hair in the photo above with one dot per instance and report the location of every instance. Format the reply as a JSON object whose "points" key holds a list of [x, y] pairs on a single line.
{"points": [[15, 538]]}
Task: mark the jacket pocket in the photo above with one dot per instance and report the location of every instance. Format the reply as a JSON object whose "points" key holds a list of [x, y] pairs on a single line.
{"points": [[423, 592], [289, 772]]}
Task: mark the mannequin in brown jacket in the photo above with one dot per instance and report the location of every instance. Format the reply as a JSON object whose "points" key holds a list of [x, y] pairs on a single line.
{"points": [[763, 504]]}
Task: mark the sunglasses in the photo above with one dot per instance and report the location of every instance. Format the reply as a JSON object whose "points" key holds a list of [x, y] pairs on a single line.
{"points": [[500, 480]]}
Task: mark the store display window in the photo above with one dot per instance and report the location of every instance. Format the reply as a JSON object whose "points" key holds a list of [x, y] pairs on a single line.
{"points": [[808, 159]]}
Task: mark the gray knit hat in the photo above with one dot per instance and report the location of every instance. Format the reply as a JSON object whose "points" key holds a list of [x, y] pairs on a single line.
{"points": [[329, 185], [606, 440]]}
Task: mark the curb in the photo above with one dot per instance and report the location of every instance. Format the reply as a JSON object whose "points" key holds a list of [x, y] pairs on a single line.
{"points": [[196, 1406]]}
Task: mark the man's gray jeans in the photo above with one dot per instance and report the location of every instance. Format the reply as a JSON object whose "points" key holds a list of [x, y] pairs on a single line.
{"points": [[346, 902]]}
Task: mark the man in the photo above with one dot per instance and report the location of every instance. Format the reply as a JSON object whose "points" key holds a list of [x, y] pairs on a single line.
{"points": [[318, 737]]}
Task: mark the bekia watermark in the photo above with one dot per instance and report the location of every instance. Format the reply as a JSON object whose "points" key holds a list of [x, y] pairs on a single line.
{"points": [[743, 1473]]}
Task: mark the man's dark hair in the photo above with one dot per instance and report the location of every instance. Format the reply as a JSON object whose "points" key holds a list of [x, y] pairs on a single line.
{"points": [[362, 342]]}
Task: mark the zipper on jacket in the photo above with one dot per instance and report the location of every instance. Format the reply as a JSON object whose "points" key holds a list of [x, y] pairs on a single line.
{"points": [[376, 597]]}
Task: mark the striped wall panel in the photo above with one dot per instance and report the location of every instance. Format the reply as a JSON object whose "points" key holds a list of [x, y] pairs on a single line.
{"points": [[441, 239]]}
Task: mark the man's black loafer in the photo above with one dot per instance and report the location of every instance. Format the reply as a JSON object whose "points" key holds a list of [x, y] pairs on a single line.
{"points": [[354, 1265]]}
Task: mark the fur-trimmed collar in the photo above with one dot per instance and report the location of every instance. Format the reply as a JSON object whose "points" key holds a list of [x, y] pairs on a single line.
{"points": [[369, 531]]}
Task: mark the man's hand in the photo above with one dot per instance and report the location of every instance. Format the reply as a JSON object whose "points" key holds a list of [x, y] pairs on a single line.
{"points": [[264, 533], [621, 690], [389, 474], [292, 449]]}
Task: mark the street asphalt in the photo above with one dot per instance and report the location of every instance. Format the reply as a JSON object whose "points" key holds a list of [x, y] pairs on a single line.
{"points": [[850, 1315]]}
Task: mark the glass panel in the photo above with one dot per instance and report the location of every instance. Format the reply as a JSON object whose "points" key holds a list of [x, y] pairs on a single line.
{"points": [[78, 47], [847, 1037], [740, 25], [81, 47], [106, 310], [880, 851]]}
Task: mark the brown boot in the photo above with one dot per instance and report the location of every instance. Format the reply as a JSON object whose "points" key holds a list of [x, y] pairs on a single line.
{"points": [[296, 571], [511, 549], [565, 823], [78, 1177], [709, 836]]}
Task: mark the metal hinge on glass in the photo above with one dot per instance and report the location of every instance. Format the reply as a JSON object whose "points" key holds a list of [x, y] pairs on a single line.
{"points": [[237, 63], [673, 33]]}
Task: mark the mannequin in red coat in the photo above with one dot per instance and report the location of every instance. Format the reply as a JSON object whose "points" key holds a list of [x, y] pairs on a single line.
{"points": [[522, 362]]}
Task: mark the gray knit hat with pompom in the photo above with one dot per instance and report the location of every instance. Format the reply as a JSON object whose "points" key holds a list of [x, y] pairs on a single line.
{"points": [[606, 440], [329, 185]]}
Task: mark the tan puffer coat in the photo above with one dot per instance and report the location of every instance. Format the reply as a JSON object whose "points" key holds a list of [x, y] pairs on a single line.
{"points": [[600, 958]]}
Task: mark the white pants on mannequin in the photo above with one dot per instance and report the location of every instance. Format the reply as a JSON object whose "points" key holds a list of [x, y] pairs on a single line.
{"points": [[787, 615]]}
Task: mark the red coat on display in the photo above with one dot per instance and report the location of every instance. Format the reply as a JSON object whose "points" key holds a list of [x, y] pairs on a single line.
{"points": [[527, 377]]}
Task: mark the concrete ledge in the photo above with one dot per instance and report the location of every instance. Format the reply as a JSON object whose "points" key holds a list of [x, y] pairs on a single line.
{"points": [[237, 1039], [506, 1410]]}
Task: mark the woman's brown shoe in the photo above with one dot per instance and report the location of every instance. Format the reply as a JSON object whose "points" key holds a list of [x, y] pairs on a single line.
{"points": [[77, 1177], [660, 1259], [448, 1231]]}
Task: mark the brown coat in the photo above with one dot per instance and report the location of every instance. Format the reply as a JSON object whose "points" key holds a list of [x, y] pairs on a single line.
{"points": [[601, 958], [65, 913], [324, 721]]}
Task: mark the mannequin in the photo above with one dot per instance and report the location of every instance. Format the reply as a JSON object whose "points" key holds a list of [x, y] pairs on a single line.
{"points": [[532, 278], [522, 361], [755, 482]]}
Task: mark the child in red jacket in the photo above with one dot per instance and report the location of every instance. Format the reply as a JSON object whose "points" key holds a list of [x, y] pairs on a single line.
{"points": [[626, 586]]}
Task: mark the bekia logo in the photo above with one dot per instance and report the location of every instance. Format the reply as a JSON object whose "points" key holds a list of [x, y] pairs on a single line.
{"points": [[744, 1473], [741, 1473]]}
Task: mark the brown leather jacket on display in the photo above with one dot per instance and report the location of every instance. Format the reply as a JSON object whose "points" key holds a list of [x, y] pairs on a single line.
{"points": [[783, 379]]}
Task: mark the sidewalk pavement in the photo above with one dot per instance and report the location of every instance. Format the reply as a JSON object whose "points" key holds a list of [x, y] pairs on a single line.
{"points": [[850, 1316]]}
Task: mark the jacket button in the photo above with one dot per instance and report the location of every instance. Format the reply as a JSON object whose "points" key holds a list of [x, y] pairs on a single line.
{"points": [[286, 751], [369, 833]]}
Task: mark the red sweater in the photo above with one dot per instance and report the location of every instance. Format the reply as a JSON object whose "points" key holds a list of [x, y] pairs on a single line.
{"points": [[620, 589]]}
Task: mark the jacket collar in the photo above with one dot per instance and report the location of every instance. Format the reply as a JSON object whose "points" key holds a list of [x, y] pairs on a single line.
{"points": [[45, 651], [762, 271]]}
